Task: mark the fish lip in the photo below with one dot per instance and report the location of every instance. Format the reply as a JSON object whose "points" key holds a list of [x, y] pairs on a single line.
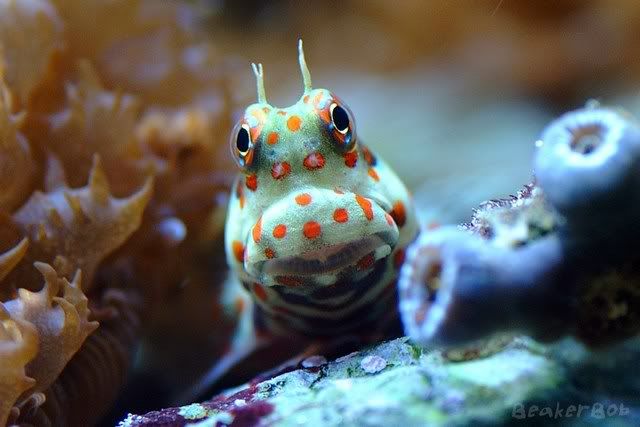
{"points": [[317, 262]]}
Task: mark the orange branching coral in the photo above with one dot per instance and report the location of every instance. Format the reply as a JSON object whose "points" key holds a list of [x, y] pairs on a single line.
{"points": [[104, 95], [12, 257], [18, 346], [16, 163], [95, 121], [30, 33], [94, 375], [62, 322], [76, 228]]}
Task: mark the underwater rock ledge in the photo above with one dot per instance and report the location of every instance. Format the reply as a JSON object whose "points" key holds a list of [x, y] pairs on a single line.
{"points": [[398, 383]]}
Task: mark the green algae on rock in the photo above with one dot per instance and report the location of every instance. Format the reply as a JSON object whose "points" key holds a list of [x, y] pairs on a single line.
{"points": [[414, 388]]}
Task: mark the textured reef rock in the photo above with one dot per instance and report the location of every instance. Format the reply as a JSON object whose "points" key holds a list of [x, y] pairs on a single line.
{"points": [[398, 383]]}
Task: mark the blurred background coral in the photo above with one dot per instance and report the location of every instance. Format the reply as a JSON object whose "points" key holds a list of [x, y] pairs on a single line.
{"points": [[114, 121]]}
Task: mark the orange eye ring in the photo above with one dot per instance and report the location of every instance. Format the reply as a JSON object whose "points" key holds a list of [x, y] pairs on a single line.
{"points": [[241, 145]]}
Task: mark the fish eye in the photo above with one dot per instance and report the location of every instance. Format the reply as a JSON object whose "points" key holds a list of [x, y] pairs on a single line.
{"points": [[241, 145], [340, 118], [243, 140]]}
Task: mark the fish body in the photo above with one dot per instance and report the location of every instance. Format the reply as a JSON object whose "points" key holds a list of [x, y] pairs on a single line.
{"points": [[317, 224]]}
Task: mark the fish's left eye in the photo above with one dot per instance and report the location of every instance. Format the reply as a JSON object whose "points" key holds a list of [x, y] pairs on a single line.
{"points": [[340, 118]]}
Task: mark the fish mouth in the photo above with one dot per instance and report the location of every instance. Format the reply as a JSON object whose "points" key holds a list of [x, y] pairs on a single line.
{"points": [[328, 259]]}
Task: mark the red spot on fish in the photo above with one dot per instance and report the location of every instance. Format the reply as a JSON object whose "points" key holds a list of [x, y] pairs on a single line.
{"points": [[366, 206], [311, 229], [238, 250], [269, 253], [259, 292], [252, 182], [314, 161], [340, 215], [399, 213], [294, 123], [288, 281], [272, 138], [398, 258], [303, 199], [240, 194], [365, 262], [257, 230], [279, 231], [351, 158], [280, 170]]}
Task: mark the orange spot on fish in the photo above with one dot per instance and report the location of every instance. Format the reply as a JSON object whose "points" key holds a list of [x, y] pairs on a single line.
{"points": [[272, 138], [294, 123], [398, 258], [259, 292], [257, 230], [266, 110], [373, 174], [340, 215], [305, 99], [311, 229], [314, 161], [282, 112], [252, 182], [351, 158], [324, 115], [369, 157], [303, 199], [238, 250], [366, 206], [280, 170], [279, 231], [239, 305], [399, 213]]}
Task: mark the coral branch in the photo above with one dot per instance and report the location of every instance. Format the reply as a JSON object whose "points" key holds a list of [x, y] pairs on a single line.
{"points": [[18, 346], [61, 321], [76, 228]]}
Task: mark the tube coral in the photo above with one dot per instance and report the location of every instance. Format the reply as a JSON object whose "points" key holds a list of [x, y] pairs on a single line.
{"points": [[557, 259]]}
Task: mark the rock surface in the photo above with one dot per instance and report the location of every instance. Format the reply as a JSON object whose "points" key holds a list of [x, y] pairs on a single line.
{"points": [[398, 383]]}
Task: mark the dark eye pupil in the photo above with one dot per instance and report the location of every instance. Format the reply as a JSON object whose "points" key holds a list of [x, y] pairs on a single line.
{"points": [[340, 118], [242, 141]]}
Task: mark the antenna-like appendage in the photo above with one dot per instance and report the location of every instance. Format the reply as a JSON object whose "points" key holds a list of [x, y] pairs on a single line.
{"points": [[306, 76], [257, 70]]}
